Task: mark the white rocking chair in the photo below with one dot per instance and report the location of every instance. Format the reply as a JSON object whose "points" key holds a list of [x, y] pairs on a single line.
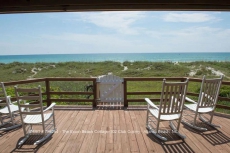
{"points": [[171, 106], [206, 103], [8, 111], [35, 120]]}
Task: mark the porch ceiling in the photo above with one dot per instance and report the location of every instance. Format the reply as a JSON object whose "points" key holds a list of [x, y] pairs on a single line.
{"points": [[26, 6]]}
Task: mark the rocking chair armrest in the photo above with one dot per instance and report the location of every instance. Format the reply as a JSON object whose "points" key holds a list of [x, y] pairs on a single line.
{"points": [[9, 98], [190, 100], [14, 102], [10, 102], [151, 103], [50, 107]]}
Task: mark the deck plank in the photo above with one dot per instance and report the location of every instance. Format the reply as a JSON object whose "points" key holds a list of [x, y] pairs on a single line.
{"points": [[73, 136], [8, 144], [12, 143], [80, 136], [149, 145], [220, 135], [109, 138], [62, 122], [124, 135], [102, 138], [105, 124], [92, 148], [132, 138], [89, 134], [73, 119], [137, 132], [196, 138], [116, 133], [154, 141]]}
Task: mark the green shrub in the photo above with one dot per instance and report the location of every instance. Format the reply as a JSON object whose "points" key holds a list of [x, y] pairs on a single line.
{"points": [[225, 91]]}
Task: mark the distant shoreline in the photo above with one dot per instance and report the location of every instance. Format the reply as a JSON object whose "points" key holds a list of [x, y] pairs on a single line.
{"points": [[120, 53], [117, 57], [173, 62]]}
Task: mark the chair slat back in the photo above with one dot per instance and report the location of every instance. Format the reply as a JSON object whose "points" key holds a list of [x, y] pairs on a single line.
{"points": [[209, 92], [172, 97], [4, 99], [3, 95], [27, 97]]}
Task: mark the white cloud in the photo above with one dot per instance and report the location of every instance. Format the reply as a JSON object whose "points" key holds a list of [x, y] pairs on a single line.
{"points": [[97, 32], [199, 32], [193, 39], [189, 17], [120, 21], [90, 43], [90, 39]]}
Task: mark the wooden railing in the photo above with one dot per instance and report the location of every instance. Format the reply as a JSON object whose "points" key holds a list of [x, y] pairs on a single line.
{"points": [[93, 100], [129, 79], [126, 93], [49, 93]]}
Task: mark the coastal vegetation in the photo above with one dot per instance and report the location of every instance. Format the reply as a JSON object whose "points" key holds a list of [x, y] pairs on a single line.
{"points": [[23, 71]]}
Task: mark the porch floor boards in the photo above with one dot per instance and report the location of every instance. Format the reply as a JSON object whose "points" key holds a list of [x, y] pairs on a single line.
{"points": [[117, 130]]}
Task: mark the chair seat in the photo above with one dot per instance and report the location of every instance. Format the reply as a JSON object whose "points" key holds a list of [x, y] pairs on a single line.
{"points": [[155, 113], [5, 110], [35, 119], [200, 110]]}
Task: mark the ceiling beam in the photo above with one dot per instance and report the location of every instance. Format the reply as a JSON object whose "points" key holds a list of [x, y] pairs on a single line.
{"points": [[28, 6]]}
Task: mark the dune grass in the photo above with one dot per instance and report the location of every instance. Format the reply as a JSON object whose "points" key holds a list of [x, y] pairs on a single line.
{"points": [[21, 71]]}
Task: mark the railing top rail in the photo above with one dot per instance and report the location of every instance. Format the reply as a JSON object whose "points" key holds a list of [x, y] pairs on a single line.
{"points": [[48, 79], [23, 81], [94, 79], [151, 78], [71, 79], [168, 78]]}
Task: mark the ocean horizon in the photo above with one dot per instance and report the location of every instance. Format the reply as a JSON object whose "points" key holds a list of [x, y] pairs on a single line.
{"points": [[117, 57]]}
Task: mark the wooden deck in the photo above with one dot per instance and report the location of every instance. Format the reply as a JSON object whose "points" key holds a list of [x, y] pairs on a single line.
{"points": [[117, 130]]}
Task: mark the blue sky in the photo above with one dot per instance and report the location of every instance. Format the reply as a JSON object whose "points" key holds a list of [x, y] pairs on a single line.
{"points": [[114, 32]]}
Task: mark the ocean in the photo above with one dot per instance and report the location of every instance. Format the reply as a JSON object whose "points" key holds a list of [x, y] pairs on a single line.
{"points": [[118, 57]]}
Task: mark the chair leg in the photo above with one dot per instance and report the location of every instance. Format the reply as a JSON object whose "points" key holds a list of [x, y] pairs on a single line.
{"points": [[147, 118], [23, 140], [208, 122], [3, 124], [10, 128], [12, 118], [194, 126], [175, 130], [156, 133], [44, 138], [54, 122], [1, 120], [10, 121]]}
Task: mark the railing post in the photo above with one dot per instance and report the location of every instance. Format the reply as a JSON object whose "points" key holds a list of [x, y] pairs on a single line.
{"points": [[48, 92], [125, 94], [95, 93]]}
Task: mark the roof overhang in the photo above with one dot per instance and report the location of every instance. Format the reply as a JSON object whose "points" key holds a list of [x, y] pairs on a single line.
{"points": [[28, 6]]}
